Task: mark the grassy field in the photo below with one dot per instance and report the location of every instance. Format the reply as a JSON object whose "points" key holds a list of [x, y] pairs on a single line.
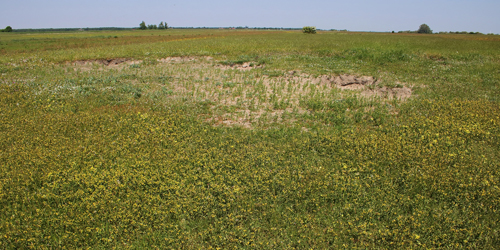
{"points": [[245, 139]]}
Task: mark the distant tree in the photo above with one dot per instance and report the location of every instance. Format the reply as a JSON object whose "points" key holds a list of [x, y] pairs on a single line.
{"points": [[424, 29], [7, 29], [142, 26], [309, 30], [166, 25], [161, 26]]}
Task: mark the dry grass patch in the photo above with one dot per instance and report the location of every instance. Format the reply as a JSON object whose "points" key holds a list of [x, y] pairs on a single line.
{"points": [[116, 63], [240, 94], [243, 66]]}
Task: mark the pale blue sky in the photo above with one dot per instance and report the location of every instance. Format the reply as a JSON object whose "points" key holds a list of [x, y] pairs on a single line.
{"points": [[354, 15]]}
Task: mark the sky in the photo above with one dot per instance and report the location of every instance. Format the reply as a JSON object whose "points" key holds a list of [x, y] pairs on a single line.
{"points": [[355, 15]]}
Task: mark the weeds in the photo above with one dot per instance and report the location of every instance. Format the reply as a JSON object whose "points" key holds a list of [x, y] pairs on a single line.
{"points": [[180, 153]]}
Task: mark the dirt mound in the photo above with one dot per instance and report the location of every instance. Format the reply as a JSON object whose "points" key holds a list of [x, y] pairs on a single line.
{"points": [[353, 82], [366, 86], [371, 87]]}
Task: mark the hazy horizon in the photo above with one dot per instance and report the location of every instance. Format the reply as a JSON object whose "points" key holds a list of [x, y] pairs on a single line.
{"points": [[357, 15]]}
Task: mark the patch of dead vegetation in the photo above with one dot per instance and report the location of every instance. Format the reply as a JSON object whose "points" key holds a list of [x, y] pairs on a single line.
{"points": [[107, 62], [116, 63], [120, 63], [183, 59], [242, 67]]}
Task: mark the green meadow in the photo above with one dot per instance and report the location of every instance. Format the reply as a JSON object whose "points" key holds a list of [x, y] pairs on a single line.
{"points": [[249, 139]]}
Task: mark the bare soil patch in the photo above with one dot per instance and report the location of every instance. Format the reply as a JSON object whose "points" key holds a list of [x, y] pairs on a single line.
{"points": [[120, 63], [292, 87], [353, 82], [183, 59], [241, 97], [401, 93], [243, 67], [116, 63], [370, 87], [107, 62]]}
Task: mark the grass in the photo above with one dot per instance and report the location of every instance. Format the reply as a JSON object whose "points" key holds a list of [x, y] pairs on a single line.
{"points": [[194, 152]]}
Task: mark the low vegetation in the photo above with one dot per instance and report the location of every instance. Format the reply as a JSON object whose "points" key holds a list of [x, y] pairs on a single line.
{"points": [[249, 139]]}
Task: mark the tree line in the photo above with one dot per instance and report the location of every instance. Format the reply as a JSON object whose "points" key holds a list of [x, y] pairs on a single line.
{"points": [[162, 25]]}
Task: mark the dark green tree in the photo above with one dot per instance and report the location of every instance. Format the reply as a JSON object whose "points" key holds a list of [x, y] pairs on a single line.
{"points": [[7, 29], [424, 29], [161, 26], [143, 26]]}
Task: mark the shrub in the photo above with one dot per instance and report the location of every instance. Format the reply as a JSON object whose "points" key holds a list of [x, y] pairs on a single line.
{"points": [[309, 30]]}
